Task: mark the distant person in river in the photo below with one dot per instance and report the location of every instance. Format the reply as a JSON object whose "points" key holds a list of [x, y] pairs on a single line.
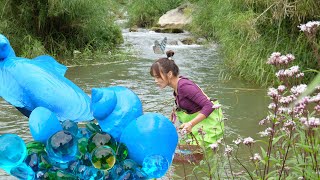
{"points": [[200, 116]]}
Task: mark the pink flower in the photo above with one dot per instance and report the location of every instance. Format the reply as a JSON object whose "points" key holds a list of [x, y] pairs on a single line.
{"points": [[272, 106], [309, 27], [288, 72], [312, 122], [287, 99], [274, 58], [317, 108], [228, 150], [272, 92], [214, 146], [290, 124], [248, 141], [262, 122], [290, 57], [256, 157], [315, 98], [201, 131], [297, 90], [281, 88]]}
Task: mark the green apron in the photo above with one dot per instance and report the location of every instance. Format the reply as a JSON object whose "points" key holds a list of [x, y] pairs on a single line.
{"points": [[213, 126]]}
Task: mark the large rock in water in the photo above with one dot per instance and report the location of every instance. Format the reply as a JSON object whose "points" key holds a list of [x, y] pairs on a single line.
{"points": [[174, 20]]}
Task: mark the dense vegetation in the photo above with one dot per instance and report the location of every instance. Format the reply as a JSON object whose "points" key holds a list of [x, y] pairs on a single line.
{"points": [[59, 27], [249, 30], [246, 30]]}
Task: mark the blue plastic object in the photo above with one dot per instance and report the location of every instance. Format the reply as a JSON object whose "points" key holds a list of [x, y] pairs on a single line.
{"points": [[13, 151], [155, 166], [70, 126], [22, 171], [62, 147], [116, 171], [40, 82], [114, 108], [150, 135], [38, 89], [43, 124]]}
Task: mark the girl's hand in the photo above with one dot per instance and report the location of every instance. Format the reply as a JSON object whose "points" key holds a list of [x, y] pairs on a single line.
{"points": [[186, 127]]}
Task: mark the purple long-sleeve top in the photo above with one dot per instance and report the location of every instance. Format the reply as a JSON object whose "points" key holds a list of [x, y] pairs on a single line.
{"points": [[191, 98]]}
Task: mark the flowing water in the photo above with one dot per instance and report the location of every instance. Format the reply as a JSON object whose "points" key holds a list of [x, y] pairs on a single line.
{"points": [[243, 104]]}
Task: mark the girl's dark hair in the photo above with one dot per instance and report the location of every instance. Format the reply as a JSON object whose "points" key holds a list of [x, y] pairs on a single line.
{"points": [[164, 65]]}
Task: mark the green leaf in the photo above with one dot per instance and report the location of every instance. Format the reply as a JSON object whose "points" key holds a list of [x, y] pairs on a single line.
{"points": [[307, 148], [263, 152], [261, 141], [276, 139]]}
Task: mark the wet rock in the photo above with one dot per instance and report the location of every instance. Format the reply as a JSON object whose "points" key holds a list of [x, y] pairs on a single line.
{"points": [[133, 29], [173, 42], [175, 20], [201, 41], [167, 30], [188, 41]]}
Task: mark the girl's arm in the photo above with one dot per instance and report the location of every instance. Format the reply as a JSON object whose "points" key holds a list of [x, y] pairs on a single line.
{"points": [[189, 125]]}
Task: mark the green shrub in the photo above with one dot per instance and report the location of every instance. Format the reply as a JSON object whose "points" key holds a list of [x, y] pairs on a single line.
{"points": [[61, 26]]}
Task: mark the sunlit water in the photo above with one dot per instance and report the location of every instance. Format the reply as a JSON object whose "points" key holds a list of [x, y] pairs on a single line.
{"points": [[243, 104]]}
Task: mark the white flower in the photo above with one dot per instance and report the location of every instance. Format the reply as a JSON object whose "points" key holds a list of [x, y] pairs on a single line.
{"points": [[282, 110], [188, 141], [238, 141], [300, 75], [264, 133], [219, 141]]}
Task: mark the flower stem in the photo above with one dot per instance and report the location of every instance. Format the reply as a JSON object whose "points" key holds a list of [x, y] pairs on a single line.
{"points": [[286, 155]]}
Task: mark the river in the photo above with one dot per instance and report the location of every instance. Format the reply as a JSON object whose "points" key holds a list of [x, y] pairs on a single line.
{"points": [[244, 104]]}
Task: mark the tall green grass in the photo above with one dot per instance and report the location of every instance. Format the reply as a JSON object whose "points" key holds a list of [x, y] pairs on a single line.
{"points": [[249, 30], [59, 27]]}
